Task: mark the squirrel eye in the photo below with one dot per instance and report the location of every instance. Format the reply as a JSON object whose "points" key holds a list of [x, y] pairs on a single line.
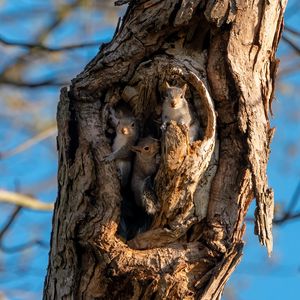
{"points": [[181, 96], [132, 124], [146, 148]]}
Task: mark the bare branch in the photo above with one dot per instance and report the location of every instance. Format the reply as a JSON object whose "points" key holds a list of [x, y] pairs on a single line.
{"points": [[288, 215], [280, 220], [24, 246], [10, 221], [289, 70], [294, 200], [36, 46], [293, 45], [62, 12], [287, 218], [29, 143], [5, 228], [24, 201], [291, 30], [18, 83]]}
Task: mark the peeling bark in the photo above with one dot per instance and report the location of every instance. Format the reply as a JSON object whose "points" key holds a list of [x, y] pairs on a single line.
{"points": [[225, 52]]}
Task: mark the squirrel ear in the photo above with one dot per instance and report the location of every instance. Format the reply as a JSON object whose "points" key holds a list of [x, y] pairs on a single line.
{"points": [[156, 140], [165, 85], [135, 149], [184, 88]]}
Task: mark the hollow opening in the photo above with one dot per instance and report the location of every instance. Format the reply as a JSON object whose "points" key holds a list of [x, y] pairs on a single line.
{"points": [[175, 100]]}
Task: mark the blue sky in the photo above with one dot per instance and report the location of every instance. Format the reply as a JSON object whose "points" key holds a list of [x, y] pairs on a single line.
{"points": [[257, 277]]}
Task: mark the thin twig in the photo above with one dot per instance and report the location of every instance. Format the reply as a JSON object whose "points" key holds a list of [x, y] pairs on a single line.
{"points": [[287, 218], [294, 200], [32, 84], [288, 215], [280, 220], [19, 247], [292, 44], [291, 30], [63, 12], [42, 47], [24, 246], [29, 143], [10, 221], [289, 70]]}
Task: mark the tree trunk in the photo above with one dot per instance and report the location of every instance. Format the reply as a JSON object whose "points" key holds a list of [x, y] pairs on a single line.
{"points": [[225, 52]]}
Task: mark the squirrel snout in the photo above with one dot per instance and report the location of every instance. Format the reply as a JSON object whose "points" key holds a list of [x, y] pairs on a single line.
{"points": [[125, 130], [173, 103]]}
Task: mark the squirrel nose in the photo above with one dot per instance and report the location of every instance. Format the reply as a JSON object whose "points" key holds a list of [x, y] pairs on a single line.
{"points": [[124, 130], [173, 103]]}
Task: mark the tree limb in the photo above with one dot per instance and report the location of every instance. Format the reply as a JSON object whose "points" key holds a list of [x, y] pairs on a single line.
{"points": [[42, 47], [19, 83], [24, 201]]}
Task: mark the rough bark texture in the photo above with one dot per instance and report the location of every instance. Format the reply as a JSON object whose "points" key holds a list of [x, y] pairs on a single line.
{"points": [[225, 52]]}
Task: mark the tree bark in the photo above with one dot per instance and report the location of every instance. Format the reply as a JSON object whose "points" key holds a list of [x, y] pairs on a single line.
{"points": [[225, 52]]}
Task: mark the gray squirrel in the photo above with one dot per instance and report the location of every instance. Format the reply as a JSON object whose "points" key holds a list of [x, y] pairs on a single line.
{"points": [[145, 166], [175, 107], [126, 136]]}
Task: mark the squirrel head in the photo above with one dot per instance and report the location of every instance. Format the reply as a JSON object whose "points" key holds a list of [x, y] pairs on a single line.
{"points": [[146, 148], [175, 96], [127, 127]]}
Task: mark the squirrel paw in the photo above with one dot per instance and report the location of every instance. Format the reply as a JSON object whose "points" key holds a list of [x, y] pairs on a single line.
{"points": [[151, 208], [163, 127], [108, 158]]}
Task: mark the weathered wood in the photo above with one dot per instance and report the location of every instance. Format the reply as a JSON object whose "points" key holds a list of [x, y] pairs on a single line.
{"points": [[225, 52]]}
